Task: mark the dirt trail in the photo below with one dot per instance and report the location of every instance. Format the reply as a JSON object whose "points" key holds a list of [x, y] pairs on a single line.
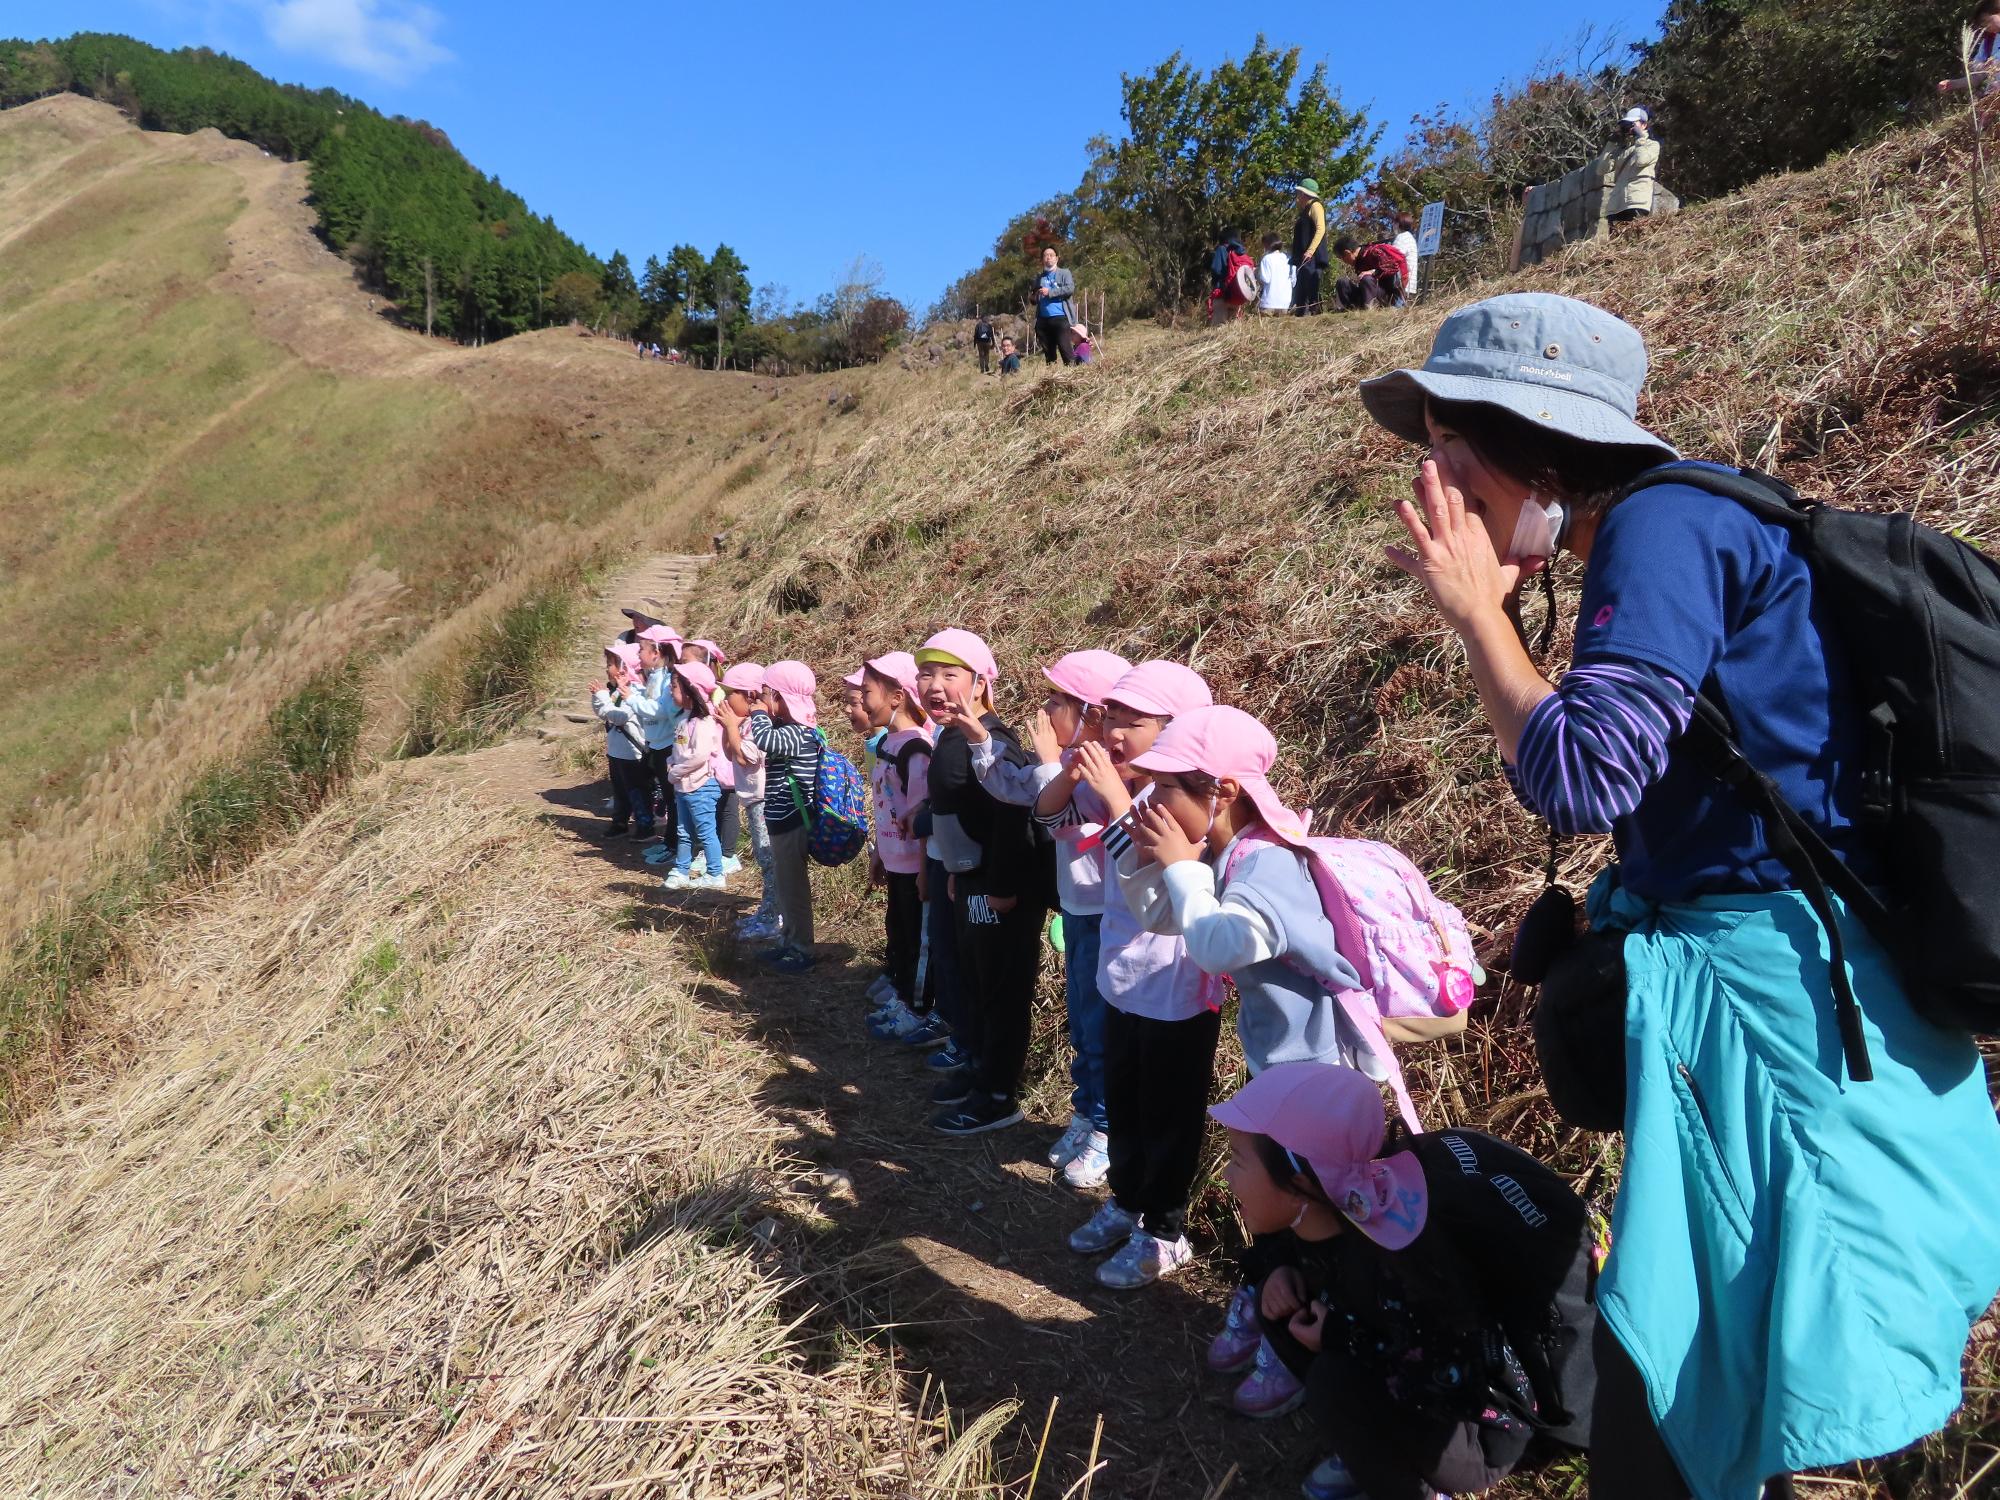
{"points": [[952, 1249]]}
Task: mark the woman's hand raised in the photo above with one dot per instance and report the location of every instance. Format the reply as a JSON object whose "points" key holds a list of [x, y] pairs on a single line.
{"points": [[1452, 555]]}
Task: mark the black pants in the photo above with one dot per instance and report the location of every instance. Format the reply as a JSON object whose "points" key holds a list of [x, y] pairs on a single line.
{"points": [[1394, 1451], [904, 924], [660, 789], [999, 958], [1305, 291], [1157, 1076], [631, 794], [985, 358], [1056, 339], [728, 824], [941, 977], [1627, 1457]]}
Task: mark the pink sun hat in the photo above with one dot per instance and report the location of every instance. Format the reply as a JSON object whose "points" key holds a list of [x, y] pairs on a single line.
{"points": [[626, 652], [1087, 676], [1331, 1117], [899, 667], [659, 635], [1221, 741], [794, 682], [855, 678], [715, 653], [1163, 688], [744, 677], [960, 648], [697, 676]]}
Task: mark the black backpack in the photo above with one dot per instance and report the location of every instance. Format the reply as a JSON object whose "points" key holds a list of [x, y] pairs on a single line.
{"points": [[1918, 614]]}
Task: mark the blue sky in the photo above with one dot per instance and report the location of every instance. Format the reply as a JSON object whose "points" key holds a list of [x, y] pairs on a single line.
{"points": [[808, 135]]}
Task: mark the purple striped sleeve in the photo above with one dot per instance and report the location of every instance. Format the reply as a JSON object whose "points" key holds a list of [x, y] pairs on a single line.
{"points": [[1590, 749]]}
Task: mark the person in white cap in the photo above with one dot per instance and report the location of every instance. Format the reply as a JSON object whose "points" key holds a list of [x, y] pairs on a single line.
{"points": [[1634, 164]]}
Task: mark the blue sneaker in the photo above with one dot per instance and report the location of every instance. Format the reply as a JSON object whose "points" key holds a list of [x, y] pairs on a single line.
{"points": [[948, 1057], [928, 1032], [1330, 1480], [788, 960], [890, 1021]]}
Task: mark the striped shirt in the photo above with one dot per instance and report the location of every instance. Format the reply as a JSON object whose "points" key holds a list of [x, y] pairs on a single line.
{"points": [[791, 753], [1591, 748]]}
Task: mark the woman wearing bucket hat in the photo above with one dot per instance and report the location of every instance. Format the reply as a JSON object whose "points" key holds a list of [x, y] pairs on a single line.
{"points": [[1432, 1292], [1758, 1315], [1309, 247]]}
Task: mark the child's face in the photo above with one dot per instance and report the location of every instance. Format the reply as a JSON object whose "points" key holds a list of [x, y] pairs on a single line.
{"points": [[944, 685], [692, 654], [1194, 812], [1128, 733], [1073, 723], [649, 655], [1267, 1208], [682, 693], [741, 704], [774, 705], [857, 711], [879, 701]]}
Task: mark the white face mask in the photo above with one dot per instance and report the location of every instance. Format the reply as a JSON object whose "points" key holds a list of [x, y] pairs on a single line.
{"points": [[1535, 530]]}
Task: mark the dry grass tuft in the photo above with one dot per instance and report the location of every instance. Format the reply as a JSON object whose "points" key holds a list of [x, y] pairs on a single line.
{"points": [[417, 1184]]}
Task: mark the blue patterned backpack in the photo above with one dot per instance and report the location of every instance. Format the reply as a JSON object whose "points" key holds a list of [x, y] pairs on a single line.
{"points": [[837, 811]]}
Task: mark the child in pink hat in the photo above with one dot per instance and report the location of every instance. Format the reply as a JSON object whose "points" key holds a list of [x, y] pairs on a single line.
{"points": [[742, 689], [1431, 1294], [1160, 1028], [697, 791], [786, 729], [1050, 783], [899, 784], [1000, 882], [625, 741]]}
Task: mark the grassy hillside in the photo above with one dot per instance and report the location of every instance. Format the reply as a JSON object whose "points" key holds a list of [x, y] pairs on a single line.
{"points": [[1222, 499], [201, 420]]}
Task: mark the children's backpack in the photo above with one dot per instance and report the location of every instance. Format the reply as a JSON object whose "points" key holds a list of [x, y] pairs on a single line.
{"points": [[1411, 950], [1239, 278], [1918, 613], [836, 813]]}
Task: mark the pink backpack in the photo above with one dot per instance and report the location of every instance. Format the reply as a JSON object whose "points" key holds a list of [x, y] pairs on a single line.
{"points": [[1412, 950]]}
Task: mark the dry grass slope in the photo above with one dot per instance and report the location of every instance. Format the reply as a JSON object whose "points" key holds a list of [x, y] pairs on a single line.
{"points": [[1222, 499]]}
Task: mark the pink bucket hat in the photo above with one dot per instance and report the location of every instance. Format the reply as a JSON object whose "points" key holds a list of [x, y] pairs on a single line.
{"points": [[1332, 1118], [960, 648], [1165, 688], [1087, 675], [900, 667], [744, 677], [626, 652], [715, 653], [659, 635], [794, 682], [697, 676], [854, 679], [1222, 741]]}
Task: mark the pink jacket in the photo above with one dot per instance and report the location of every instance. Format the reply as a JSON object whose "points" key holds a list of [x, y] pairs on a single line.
{"points": [[696, 744], [893, 801]]}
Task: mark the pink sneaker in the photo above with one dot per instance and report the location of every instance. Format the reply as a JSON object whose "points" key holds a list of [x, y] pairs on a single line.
{"points": [[1269, 1390], [1236, 1346]]}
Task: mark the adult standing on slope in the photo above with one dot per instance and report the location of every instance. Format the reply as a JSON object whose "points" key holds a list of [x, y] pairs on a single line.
{"points": [[1796, 1256], [1054, 292], [1309, 247], [982, 340]]}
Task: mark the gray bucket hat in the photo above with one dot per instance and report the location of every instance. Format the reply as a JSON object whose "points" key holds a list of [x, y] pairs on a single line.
{"points": [[1560, 363]]}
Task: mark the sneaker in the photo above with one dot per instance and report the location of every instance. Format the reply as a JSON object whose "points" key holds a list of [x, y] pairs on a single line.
{"points": [[607, 804], [1090, 1166], [1144, 1258], [953, 1088], [1070, 1141], [890, 1021], [947, 1057], [1109, 1226], [976, 1116], [731, 865], [756, 929], [711, 883], [1269, 1390], [658, 854], [614, 831], [1235, 1348], [1330, 1480], [788, 960], [876, 986], [928, 1032], [678, 880]]}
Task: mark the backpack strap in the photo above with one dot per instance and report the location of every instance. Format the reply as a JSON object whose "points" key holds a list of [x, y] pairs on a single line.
{"points": [[902, 758]]}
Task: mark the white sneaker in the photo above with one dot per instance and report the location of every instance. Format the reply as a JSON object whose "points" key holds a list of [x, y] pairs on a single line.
{"points": [[1144, 1258], [1070, 1141], [678, 880], [711, 883], [1090, 1166], [731, 864], [875, 989], [1109, 1226]]}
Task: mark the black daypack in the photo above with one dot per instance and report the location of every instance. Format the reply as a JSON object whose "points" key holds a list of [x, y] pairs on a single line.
{"points": [[1918, 615]]}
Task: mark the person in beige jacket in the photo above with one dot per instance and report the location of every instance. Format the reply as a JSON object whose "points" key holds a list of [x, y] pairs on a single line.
{"points": [[1634, 163]]}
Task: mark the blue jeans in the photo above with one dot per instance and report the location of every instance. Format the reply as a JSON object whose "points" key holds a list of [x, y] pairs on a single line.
{"points": [[695, 812], [1086, 1017]]}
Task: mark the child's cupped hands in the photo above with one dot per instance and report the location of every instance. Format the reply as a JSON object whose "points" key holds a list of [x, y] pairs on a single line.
{"points": [[1282, 1294], [1308, 1325], [1048, 749], [1160, 839], [1100, 772]]}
